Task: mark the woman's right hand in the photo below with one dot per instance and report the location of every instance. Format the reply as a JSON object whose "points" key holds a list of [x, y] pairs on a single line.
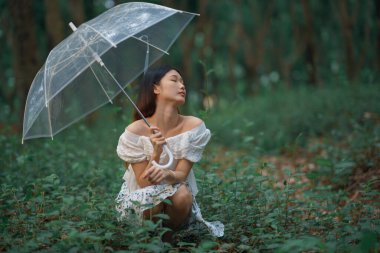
{"points": [[157, 141]]}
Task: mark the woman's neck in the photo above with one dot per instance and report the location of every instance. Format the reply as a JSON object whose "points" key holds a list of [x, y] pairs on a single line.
{"points": [[165, 118]]}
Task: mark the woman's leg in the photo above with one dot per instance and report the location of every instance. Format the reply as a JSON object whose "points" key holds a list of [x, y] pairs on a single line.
{"points": [[149, 213], [180, 209]]}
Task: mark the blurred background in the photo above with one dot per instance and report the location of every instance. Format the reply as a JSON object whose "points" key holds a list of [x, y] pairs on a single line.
{"points": [[233, 50]]}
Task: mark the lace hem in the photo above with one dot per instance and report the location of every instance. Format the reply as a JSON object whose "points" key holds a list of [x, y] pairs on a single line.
{"points": [[145, 198], [216, 228], [142, 199]]}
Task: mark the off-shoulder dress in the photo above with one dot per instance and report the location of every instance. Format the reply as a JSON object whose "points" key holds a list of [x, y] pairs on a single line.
{"points": [[134, 148]]}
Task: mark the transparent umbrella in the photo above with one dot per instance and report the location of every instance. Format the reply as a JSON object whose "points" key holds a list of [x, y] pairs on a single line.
{"points": [[96, 62]]}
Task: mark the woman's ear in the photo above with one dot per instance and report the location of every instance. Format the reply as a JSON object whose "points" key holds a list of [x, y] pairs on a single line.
{"points": [[156, 89]]}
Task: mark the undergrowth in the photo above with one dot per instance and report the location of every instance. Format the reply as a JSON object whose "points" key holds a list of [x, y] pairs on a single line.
{"points": [[58, 196]]}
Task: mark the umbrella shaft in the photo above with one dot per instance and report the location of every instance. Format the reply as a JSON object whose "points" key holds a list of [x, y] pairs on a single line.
{"points": [[125, 93]]}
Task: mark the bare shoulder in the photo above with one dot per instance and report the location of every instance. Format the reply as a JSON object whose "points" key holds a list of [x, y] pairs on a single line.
{"points": [[191, 122], [138, 127]]}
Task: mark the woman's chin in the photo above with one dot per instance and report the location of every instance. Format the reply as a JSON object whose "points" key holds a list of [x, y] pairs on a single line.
{"points": [[176, 101], [180, 101]]}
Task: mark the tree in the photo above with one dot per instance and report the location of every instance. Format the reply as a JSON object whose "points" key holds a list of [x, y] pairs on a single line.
{"points": [[53, 22], [254, 42], [23, 45], [310, 48], [377, 17], [76, 8], [347, 27]]}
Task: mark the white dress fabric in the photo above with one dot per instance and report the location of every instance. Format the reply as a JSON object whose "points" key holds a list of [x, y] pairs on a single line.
{"points": [[134, 148]]}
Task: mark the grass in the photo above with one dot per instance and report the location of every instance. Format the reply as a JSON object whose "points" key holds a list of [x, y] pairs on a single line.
{"points": [[280, 177]]}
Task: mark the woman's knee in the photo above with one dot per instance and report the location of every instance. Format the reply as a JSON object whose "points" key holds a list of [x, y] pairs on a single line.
{"points": [[182, 198]]}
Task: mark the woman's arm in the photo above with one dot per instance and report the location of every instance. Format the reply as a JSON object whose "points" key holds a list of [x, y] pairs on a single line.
{"points": [[139, 169], [155, 175], [157, 141]]}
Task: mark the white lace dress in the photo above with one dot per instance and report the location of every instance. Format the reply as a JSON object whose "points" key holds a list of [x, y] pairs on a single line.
{"points": [[134, 148]]}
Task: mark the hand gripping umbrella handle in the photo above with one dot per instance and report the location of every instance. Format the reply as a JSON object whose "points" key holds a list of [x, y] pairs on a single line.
{"points": [[170, 162]]}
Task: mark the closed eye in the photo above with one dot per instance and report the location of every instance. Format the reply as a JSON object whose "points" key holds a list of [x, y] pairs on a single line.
{"points": [[175, 78]]}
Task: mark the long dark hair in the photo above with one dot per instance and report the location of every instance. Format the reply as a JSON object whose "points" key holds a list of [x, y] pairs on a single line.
{"points": [[146, 100]]}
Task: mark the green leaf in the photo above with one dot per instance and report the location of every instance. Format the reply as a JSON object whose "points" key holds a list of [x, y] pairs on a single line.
{"points": [[108, 235], [186, 244], [162, 216], [207, 245], [323, 162], [168, 202]]}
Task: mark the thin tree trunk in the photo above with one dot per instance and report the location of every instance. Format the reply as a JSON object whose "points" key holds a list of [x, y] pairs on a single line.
{"points": [[7, 93], [54, 23], [24, 48], [347, 26], [366, 45], [187, 41], [310, 48], [234, 41], [207, 31], [377, 13], [76, 8], [232, 65], [254, 50]]}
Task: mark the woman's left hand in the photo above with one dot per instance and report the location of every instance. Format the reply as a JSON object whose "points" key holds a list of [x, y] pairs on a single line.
{"points": [[155, 175]]}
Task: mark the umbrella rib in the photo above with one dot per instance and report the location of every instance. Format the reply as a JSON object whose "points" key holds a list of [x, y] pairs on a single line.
{"points": [[51, 129], [92, 28], [150, 45], [191, 13], [180, 31], [97, 79], [74, 55], [126, 94], [46, 100]]}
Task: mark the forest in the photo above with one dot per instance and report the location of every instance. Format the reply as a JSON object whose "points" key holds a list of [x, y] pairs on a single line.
{"points": [[289, 90]]}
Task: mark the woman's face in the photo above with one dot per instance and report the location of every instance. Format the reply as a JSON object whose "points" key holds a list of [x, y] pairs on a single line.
{"points": [[171, 88]]}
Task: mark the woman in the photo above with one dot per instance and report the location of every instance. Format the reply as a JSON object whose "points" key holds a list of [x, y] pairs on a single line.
{"points": [[162, 92]]}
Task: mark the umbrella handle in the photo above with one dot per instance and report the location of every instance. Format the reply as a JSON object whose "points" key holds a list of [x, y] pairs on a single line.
{"points": [[170, 162]]}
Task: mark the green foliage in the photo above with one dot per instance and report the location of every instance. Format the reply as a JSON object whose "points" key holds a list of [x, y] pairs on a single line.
{"points": [[285, 119], [58, 196]]}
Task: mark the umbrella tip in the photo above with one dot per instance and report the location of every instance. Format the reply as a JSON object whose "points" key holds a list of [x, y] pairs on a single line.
{"points": [[72, 26]]}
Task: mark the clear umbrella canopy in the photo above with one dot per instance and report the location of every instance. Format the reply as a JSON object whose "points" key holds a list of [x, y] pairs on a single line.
{"points": [[80, 73]]}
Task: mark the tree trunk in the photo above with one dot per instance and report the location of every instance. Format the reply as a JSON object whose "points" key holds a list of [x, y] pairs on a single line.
{"points": [[232, 52], [76, 8], [24, 47], [366, 45], [53, 22], [8, 94], [206, 29], [347, 26], [310, 48], [254, 48], [187, 41], [377, 10], [233, 44]]}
